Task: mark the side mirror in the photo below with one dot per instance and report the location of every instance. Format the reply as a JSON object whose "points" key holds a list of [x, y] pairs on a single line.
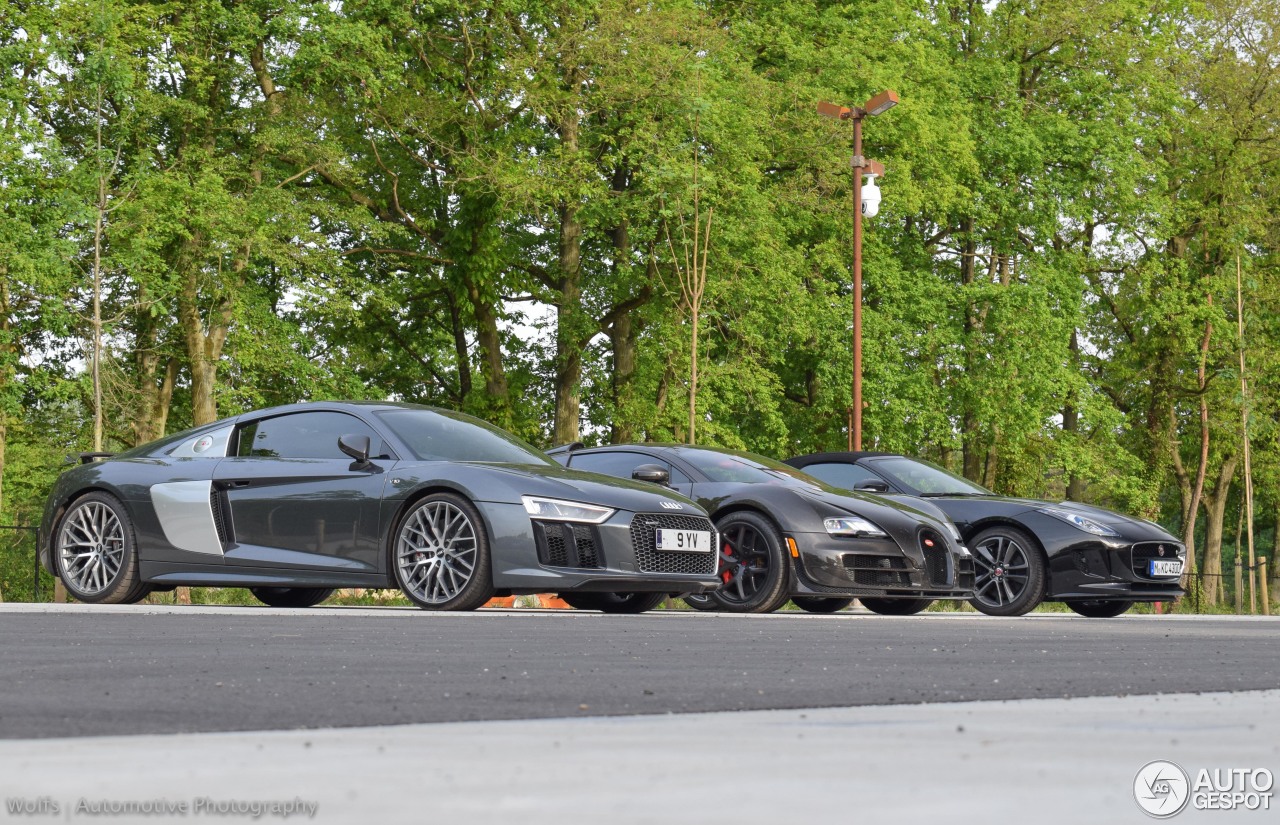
{"points": [[875, 486], [652, 473], [356, 446]]}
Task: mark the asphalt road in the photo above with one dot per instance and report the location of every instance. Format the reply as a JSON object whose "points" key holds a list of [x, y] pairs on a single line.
{"points": [[88, 671]]}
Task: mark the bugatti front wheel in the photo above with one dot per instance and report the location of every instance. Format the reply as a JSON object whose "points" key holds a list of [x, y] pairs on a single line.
{"points": [[440, 554], [95, 553]]}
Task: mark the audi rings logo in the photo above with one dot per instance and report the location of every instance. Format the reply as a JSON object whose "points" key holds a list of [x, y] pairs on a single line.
{"points": [[671, 505], [1161, 789]]}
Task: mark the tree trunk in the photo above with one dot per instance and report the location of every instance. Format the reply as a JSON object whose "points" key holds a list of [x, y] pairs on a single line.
{"points": [[204, 341], [568, 354], [622, 340], [1215, 505], [1071, 423]]}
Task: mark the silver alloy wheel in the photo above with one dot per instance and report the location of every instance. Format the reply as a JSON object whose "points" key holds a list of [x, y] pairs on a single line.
{"points": [[436, 552], [1003, 571], [91, 547]]}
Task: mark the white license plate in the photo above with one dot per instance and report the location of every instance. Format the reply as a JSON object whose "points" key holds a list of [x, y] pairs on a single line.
{"points": [[684, 541], [1166, 567]]}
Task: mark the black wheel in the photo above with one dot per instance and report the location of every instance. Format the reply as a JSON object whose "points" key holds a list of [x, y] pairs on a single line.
{"points": [[291, 596], [440, 554], [818, 604], [1098, 609], [753, 565], [1010, 572], [95, 553], [700, 601], [896, 607], [614, 602]]}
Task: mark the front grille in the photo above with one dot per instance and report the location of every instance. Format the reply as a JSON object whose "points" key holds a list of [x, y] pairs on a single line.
{"points": [[965, 578], [936, 562], [1144, 552], [563, 544], [877, 571], [652, 560]]}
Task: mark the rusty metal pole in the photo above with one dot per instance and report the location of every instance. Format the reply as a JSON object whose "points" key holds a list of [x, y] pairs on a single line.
{"points": [[1262, 586], [855, 433]]}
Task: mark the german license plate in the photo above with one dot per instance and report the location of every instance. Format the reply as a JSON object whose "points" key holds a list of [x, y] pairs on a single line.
{"points": [[1166, 567], [684, 541]]}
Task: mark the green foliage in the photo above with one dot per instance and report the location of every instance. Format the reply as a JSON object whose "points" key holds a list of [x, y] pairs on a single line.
{"points": [[467, 204]]}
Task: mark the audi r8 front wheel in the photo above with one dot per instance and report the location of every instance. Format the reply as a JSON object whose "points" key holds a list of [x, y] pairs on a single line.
{"points": [[441, 554], [95, 552]]}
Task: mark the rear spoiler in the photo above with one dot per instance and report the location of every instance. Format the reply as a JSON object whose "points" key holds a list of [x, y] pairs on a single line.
{"points": [[86, 458]]}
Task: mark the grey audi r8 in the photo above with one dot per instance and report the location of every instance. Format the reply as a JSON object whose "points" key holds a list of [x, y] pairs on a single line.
{"points": [[786, 535], [295, 501], [1098, 562]]}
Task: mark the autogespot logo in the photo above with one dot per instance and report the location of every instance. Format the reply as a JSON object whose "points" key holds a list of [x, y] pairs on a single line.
{"points": [[1161, 789]]}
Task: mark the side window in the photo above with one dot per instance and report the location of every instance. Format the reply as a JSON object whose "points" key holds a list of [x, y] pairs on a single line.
{"points": [[618, 465], [303, 435], [844, 476]]}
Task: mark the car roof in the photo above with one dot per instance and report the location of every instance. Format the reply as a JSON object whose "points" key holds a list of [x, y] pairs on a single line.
{"points": [[843, 456]]}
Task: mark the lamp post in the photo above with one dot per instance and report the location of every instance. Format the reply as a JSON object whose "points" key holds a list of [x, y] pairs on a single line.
{"points": [[879, 104]]}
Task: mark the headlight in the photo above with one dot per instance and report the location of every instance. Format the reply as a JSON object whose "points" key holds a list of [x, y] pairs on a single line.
{"points": [[853, 526], [955, 532], [1079, 522], [557, 510]]}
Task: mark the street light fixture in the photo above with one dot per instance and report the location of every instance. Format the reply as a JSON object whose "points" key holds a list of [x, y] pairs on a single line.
{"points": [[864, 202]]}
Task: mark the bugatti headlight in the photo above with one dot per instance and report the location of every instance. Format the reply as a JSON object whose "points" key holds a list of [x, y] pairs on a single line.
{"points": [[1079, 522], [554, 509], [855, 526]]}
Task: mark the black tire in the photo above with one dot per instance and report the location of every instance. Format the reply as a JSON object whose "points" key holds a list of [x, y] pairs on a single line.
{"points": [[819, 604], [1010, 572], [754, 566], [896, 607], [95, 552], [291, 596], [700, 601], [440, 554], [1098, 609], [614, 602]]}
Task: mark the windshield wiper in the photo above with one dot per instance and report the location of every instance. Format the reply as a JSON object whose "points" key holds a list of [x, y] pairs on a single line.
{"points": [[953, 493]]}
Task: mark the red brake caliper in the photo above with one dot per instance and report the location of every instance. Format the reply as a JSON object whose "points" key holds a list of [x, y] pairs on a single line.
{"points": [[725, 575]]}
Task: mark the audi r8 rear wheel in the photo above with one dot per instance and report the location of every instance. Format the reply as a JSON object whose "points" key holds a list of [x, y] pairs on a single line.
{"points": [[753, 565], [1099, 609], [614, 602], [440, 554], [291, 596], [819, 604], [95, 553], [896, 607], [1010, 572]]}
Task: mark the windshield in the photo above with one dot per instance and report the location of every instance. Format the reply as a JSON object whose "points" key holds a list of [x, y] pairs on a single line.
{"points": [[743, 467], [924, 478], [440, 435]]}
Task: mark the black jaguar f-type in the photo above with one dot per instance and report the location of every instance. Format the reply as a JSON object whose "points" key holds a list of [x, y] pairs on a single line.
{"points": [[1097, 561], [785, 535], [294, 501]]}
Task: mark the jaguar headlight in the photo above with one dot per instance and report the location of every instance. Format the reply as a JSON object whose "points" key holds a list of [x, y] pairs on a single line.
{"points": [[855, 526], [1079, 522], [554, 509]]}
